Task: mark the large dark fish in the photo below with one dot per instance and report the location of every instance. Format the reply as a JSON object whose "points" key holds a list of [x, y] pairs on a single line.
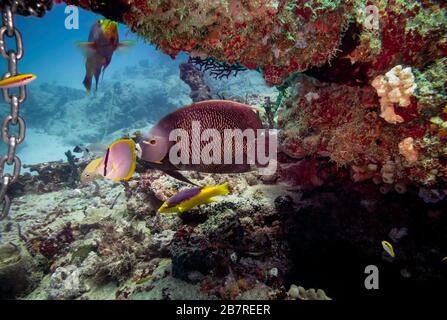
{"points": [[103, 40], [212, 114]]}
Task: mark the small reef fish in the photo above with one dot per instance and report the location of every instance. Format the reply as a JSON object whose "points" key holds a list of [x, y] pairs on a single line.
{"points": [[17, 81], [96, 149], [118, 163], [103, 41], [190, 198], [388, 248], [444, 259], [211, 114]]}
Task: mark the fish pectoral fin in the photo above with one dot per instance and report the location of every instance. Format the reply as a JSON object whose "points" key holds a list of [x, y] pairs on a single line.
{"points": [[177, 175], [126, 44], [88, 44], [86, 47]]}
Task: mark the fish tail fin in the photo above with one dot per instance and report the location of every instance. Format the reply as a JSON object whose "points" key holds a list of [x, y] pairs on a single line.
{"points": [[87, 83], [97, 76], [222, 189]]}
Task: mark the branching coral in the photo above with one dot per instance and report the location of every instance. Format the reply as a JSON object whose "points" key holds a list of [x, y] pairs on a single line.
{"points": [[216, 69]]}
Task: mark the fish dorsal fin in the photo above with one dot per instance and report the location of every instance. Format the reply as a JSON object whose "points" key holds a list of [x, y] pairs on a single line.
{"points": [[210, 104], [93, 165]]}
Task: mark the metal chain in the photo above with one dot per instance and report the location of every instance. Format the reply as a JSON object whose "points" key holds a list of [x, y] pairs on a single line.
{"points": [[13, 119], [36, 8]]}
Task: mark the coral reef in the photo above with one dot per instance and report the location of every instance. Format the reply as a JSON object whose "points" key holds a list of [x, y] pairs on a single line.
{"points": [[252, 244], [49, 176], [278, 37], [342, 123], [288, 36], [360, 72], [362, 159]]}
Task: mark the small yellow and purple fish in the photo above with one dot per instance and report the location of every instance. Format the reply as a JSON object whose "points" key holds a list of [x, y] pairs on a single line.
{"points": [[190, 198], [117, 164], [388, 248], [17, 81]]}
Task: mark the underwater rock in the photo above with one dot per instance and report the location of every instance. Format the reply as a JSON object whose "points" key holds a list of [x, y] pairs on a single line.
{"points": [[65, 284], [194, 79], [162, 241], [190, 253], [15, 272], [47, 177]]}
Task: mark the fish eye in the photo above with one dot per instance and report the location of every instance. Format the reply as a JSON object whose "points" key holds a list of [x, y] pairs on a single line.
{"points": [[152, 141]]}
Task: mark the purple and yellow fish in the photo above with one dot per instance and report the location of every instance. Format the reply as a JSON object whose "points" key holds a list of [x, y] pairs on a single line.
{"points": [[17, 81], [117, 164], [211, 114], [187, 199], [102, 42]]}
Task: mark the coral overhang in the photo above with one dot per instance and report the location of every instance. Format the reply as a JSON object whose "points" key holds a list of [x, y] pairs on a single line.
{"points": [[337, 116]]}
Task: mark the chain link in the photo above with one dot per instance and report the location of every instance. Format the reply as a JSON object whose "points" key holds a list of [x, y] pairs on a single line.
{"points": [[36, 8], [13, 119]]}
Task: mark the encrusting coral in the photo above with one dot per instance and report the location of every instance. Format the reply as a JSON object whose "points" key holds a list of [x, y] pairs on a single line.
{"points": [[396, 86]]}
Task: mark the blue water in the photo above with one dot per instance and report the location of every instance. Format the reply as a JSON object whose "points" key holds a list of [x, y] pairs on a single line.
{"points": [[50, 50], [51, 54]]}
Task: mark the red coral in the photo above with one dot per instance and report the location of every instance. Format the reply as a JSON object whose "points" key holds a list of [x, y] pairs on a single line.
{"points": [[303, 173]]}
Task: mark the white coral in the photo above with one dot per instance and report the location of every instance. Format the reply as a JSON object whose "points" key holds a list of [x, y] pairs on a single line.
{"points": [[396, 86]]}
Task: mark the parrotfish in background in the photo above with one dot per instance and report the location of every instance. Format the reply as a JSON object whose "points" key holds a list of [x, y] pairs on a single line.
{"points": [[103, 40], [212, 114], [118, 163], [17, 81], [190, 198]]}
